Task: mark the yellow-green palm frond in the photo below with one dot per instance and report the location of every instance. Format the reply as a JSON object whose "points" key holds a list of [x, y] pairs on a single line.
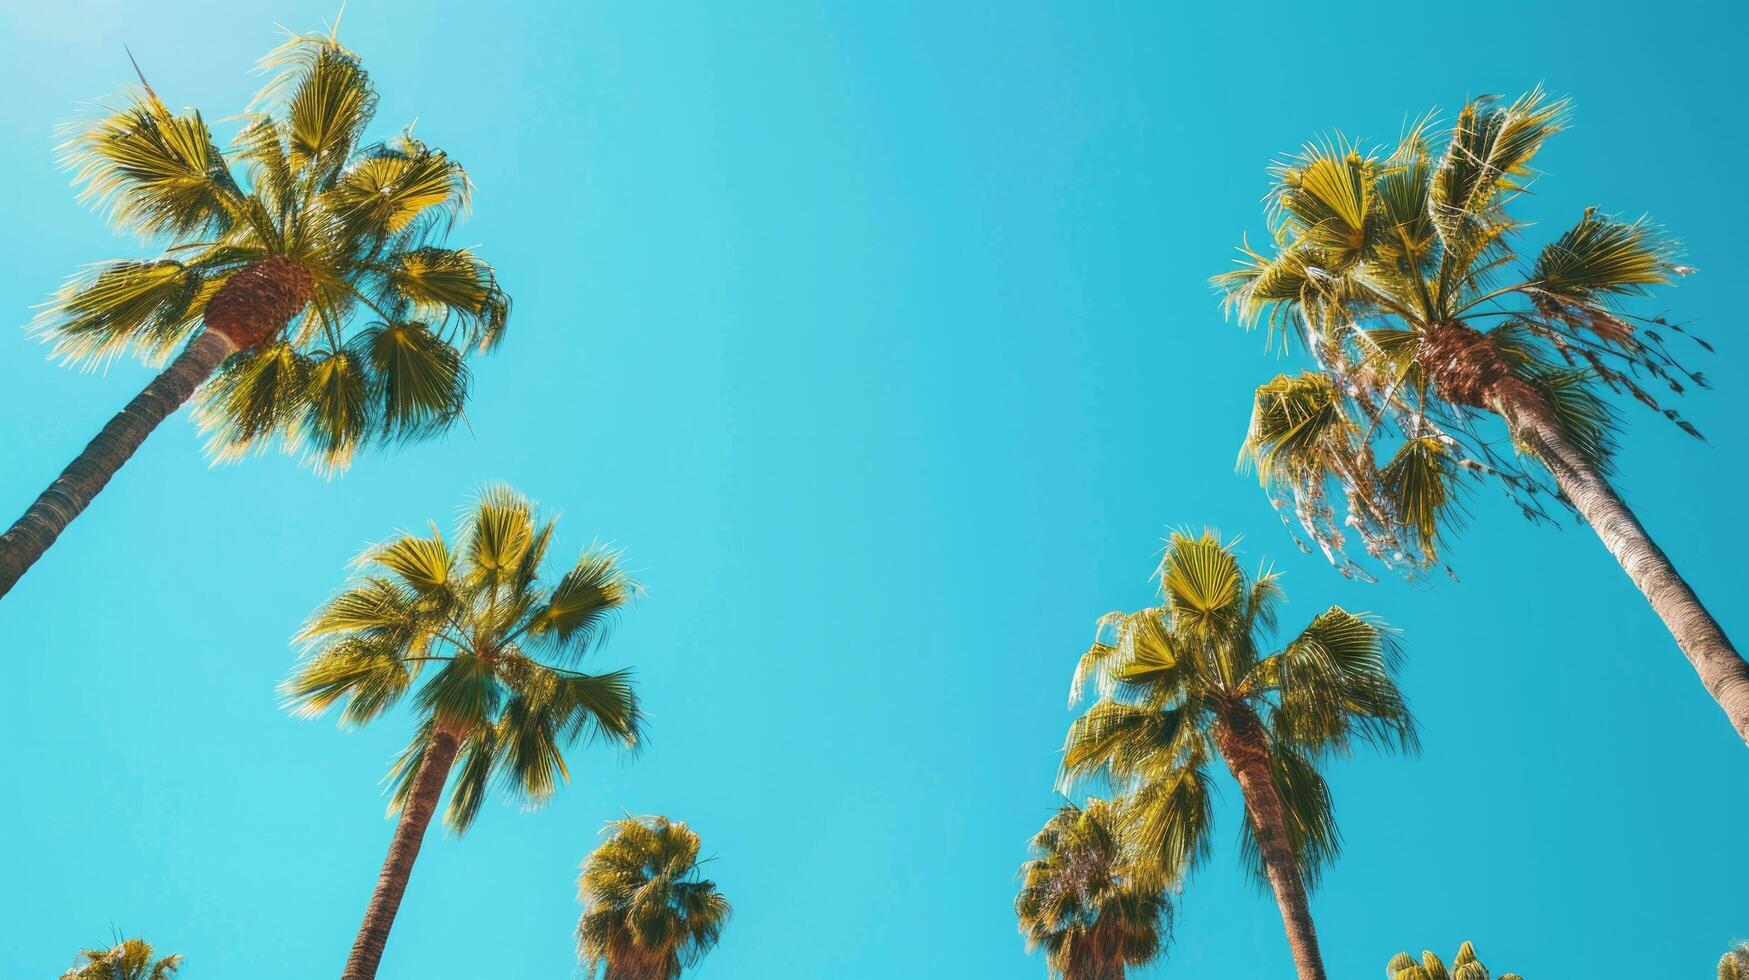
{"points": [[152, 171], [1326, 197], [1421, 481], [1170, 818], [1298, 427], [647, 909], [129, 959], [326, 99], [1488, 154], [386, 188], [151, 306], [1601, 257], [1202, 582], [1335, 683]]}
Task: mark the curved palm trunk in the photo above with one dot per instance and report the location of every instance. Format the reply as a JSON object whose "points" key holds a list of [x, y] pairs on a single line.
{"points": [[31, 535], [1721, 668], [416, 813], [1239, 735]]}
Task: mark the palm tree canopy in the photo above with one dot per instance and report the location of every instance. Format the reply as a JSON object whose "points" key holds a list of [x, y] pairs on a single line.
{"points": [[316, 251], [648, 913], [1734, 965], [1087, 893], [1464, 966], [498, 639], [130, 959], [1400, 270], [1167, 676]]}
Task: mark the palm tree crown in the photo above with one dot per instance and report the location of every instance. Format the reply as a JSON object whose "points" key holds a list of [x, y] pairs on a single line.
{"points": [[1190, 679], [1089, 900], [647, 912], [1171, 677], [499, 640], [1734, 965], [1400, 272], [316, 253], [130, 959], [1464, 966]]}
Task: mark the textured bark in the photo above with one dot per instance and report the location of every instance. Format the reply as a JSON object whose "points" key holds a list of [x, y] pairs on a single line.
{"points": [[1241, 740], [1721, 668], [71, 492], [416, 813], [1092, 961], [253, 306]]}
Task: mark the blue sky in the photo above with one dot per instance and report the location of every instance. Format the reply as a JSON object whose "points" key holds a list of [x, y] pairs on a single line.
{"points": [[879, 335]]}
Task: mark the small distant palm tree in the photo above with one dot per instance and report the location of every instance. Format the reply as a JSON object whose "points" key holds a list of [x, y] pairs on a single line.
{"points": [[1089, 900], [501, 700], [302, 276], [130, 959], [1734, 965], [647, 912], [1401, 275], [1191, 680], [1464, 966]]}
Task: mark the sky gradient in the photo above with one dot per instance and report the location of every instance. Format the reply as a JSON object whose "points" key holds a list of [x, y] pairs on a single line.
{"points": [[879, 335]]}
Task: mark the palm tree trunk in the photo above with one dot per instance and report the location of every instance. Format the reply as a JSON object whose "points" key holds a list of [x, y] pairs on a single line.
{"points": [[31, 535], [1721, 668], [416, 813], [1241, 740]]}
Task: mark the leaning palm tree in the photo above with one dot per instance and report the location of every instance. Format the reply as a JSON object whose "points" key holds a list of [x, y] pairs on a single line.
{"points": [[1190, 680], [1401, 274], [130, 959], [1464, 966], [647, 912], [500, 701], [1089, 900], [301, 283]]}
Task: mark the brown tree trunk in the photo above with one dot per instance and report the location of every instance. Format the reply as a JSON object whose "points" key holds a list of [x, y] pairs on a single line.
{"points": [[1094, 962], [31, 535], [1241, 740], [416, 813], [1720, 666]]}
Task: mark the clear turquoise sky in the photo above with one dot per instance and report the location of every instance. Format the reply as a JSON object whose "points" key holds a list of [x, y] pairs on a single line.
{"points": [[879, 335]]}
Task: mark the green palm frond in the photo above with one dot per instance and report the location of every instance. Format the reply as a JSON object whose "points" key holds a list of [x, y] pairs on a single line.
{"points": [[1421, 480], [1601, 256], [129, 959], [152, 171], [1202, 581]]}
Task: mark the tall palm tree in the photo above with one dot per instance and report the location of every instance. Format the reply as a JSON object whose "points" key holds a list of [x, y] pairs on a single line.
{"points": [[647, 911], [1190, 680], [1464, 966], [130, 959], [1089, 899], [1401, 274], [301, 283], [501, 699]]}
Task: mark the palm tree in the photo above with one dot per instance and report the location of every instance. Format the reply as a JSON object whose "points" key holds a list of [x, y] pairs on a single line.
{"points": [[647, 912], [1401, 274], [1464, 966], [1734, 965], [130, 959], [1191, 679], [501, 701], [1087, 897], [309, 291]]}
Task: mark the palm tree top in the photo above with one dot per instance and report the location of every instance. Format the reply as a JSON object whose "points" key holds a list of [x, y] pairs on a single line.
{"points": [[486, 644], [648, 912], [1087, 898], [1464, 966], [1170, 676], [129, 959], [1404, 274], [317, 252]]}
